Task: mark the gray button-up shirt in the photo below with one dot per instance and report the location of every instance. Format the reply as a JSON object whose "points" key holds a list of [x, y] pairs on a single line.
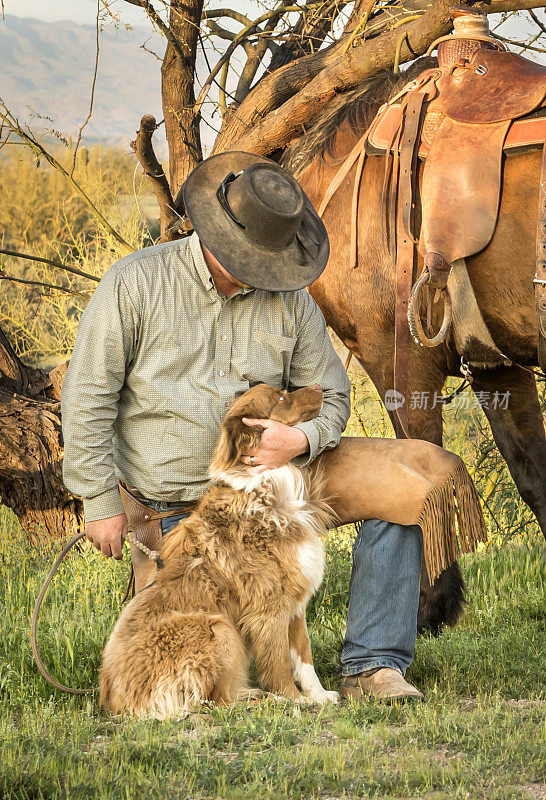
{"points": [[160, 355]]}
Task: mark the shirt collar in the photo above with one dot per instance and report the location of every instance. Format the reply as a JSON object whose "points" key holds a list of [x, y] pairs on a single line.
{"points": [[203, 270], [200, 263]]}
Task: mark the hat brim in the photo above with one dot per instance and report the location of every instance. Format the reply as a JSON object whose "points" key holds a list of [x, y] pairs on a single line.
{"points": [[286, 269]]}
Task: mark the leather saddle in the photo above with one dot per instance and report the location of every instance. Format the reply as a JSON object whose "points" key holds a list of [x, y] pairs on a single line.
{"points": [[461, 120], [472, 113]]}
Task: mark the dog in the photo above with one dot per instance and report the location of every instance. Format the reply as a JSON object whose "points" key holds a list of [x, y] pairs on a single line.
{"points": [[237, 577]]}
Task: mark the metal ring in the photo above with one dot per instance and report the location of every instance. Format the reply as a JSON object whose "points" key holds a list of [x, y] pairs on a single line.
{"points": [[414, 319]]}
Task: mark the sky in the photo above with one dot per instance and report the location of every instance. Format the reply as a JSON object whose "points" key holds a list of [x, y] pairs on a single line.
{"points": [[84, 12], [81, 11]]}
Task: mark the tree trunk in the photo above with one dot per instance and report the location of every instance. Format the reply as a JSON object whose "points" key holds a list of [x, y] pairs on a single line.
{"points": [[31, 449], [178, 75]]}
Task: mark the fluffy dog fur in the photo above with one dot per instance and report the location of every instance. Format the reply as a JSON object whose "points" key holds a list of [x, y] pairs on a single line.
{"points": [[237, 579]]}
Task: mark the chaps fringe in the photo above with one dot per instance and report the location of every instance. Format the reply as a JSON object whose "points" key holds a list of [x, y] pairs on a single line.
{"points": [[451, 520]]}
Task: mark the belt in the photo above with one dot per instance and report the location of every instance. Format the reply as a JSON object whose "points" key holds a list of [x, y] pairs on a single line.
{"points": [[158, 505]]}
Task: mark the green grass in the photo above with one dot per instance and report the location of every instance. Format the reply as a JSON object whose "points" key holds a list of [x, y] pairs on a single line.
{"points": [[479, 735]]}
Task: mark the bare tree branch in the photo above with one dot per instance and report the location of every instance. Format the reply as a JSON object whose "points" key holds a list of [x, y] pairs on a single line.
{"points": [[298, 91], [309, 33], [56, 264], [144, 150], [496, 6], [537, 21], [519, 44], [93, 84], [12, 279], [247, 31], [156, 19], [276, 88], [230, 13]]}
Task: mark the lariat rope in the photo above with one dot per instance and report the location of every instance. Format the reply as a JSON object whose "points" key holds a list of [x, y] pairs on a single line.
{"points": [[153, 555]]}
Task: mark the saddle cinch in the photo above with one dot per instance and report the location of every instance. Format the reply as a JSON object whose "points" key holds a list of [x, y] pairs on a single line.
{"points": [[460, 119]]}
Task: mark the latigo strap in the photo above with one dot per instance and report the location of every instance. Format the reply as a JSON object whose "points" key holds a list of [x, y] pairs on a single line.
{"points": [[540, 275], [405, 250]]}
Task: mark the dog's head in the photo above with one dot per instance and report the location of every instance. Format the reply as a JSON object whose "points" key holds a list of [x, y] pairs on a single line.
{"points": [[261, 402]]}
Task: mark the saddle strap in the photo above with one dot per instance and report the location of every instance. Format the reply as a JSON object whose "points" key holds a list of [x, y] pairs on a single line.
{"points": [[540, 275], [405, 251], [342, 173]]}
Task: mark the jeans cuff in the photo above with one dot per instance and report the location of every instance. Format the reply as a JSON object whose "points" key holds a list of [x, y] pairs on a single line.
{"points": [[371, 663]]}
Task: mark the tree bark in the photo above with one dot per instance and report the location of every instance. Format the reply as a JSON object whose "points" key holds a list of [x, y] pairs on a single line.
{"points": [[31, 448], [144, 150], [310, 31], [178, 76]]}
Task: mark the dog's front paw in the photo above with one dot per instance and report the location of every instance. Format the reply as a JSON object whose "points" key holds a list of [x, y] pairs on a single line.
{"points": [[321, 697]]}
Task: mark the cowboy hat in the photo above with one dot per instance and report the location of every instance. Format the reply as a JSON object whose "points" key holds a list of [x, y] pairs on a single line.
{"points": [[255, 218]]}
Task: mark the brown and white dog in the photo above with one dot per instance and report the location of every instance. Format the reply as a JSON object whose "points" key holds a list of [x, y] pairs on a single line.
{"points": [[238, 575]]}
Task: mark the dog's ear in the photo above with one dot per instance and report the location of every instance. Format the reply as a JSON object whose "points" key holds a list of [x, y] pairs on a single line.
{"points": [[235, 440], [298, 406]]}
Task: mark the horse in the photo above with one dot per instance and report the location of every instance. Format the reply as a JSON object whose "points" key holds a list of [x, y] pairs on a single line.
{"points": [[359, 302]]}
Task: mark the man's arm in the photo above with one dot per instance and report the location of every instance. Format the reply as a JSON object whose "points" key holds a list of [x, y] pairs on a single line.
{"points": [[104, 345], [314, 361]]}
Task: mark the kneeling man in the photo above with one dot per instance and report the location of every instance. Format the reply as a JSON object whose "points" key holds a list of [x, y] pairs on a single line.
{"points": [[173, 333]]}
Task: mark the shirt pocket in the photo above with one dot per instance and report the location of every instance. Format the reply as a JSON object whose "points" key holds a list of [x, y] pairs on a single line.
{"points": [[271, 356]]}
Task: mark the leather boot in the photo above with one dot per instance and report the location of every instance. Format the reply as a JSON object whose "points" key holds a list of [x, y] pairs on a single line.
{"points": [[383, 684]]}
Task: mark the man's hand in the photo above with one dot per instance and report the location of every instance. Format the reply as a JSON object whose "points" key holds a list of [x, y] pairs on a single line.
{"points": [[106, 535], [279, 445]]}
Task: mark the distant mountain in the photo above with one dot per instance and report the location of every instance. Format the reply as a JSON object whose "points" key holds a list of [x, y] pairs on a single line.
{"points": [[46, 68]]}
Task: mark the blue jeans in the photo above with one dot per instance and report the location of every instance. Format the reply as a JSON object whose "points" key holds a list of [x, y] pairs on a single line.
{"points": [[384, 598], [168, 523]]}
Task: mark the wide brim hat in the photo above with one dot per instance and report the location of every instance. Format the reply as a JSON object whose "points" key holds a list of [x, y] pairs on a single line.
{"points": [[257, 221]]}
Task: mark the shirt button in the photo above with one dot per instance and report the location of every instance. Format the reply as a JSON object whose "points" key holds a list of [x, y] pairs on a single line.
{"points": [[221, 373], [224, 337]]}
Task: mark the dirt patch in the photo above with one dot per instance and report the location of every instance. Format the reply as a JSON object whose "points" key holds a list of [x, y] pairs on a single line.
{"points": [[524, 704], [535, 791]]}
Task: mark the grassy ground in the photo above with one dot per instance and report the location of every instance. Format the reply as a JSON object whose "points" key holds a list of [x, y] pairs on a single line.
{"points": [[479, 735]]}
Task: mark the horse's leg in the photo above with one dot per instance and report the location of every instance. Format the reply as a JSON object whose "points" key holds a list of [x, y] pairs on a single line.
{"points": [[518, 429], [426, 378]]}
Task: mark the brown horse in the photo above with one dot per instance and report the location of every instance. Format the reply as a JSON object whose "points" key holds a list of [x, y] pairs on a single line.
{"points": [[359, 304]]}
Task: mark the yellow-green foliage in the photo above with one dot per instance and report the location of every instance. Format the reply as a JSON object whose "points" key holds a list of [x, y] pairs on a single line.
{"points": [[42, 214]]}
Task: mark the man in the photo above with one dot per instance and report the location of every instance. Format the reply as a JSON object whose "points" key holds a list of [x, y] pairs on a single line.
{"points": [[174, 333]]}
